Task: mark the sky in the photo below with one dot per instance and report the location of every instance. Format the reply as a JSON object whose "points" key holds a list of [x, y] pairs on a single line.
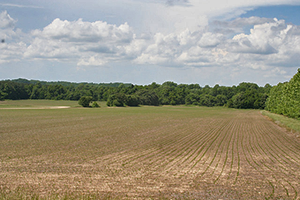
{"points": [[144, 41]]}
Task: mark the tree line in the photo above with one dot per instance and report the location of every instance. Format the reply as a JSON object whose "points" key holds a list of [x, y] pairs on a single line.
{"points": [[284, 98], [244, 96]]}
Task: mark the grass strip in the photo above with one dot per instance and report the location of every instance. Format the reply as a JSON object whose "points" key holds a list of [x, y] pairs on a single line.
{"points": [[283, 121]]}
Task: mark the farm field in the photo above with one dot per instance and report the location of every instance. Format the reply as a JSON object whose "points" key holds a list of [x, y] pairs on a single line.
{"points": [[169, 152]]}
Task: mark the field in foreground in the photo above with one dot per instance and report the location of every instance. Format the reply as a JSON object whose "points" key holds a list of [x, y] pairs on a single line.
{"points": [[158, 152]]}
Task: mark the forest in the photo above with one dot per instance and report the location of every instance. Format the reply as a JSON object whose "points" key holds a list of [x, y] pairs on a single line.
{"points": [[245, 95], [284, 98], [281, 99]]}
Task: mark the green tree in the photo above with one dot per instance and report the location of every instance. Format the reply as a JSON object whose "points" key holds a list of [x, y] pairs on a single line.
{"points": [[207, 100], [118, 100], [221, 100], [132, 100], [147, 97], [85, 101], [192, 99], [285, 98]]}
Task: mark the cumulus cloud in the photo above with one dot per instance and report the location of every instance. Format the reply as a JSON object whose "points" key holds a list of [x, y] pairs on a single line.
{"points": [[7, 25], [267, 38], [271, 42], [266, 43], [12, 48], [80, 31], [165, 49], [12, 52], [84, 41], [6, 21], [254, 43], [210, 39], [92, 61]]}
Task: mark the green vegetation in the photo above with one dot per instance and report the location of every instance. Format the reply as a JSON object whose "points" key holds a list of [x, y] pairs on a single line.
{"points": [[95, 105], [245, 95], [285, 98], [290, 123], [281, 99], [37, 103], [85, 101], [34, 104]]}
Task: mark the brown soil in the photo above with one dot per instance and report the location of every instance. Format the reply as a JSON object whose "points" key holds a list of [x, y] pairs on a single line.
{"points": [[230, 155]]}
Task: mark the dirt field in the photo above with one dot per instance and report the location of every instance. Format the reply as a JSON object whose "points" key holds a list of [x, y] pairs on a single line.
{"points": [[146, 152]]}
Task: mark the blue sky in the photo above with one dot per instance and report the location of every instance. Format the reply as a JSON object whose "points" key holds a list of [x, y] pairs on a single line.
{"points": [[289, 13], [140, 42]]}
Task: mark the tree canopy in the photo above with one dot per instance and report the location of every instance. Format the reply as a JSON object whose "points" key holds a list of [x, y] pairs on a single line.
{"points": [[85, 101], [245, 95], [285, 98]]}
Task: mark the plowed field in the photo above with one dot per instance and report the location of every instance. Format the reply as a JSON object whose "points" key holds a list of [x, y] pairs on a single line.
{"points": [[147, 152]]}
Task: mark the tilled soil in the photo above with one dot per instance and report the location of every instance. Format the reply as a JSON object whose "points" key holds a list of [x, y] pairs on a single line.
{"points": [[181, 153]]}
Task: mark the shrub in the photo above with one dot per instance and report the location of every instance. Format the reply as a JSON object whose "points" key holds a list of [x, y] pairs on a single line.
{"points": [[85, 101], [95, 105]]}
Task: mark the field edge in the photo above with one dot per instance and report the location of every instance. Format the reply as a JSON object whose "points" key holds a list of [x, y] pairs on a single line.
{"points": [[290, 124]]}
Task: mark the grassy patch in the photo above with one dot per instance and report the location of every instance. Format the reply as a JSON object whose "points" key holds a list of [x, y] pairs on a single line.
{"points": [[36, 103], [289, 123], [42, 103]]}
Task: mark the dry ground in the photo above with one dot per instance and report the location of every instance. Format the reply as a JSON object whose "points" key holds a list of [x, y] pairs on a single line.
{"points": [[147, 152]]}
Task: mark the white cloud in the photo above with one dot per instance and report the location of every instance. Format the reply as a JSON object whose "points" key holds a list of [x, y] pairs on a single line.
{"points": [[165, 48], [7, 25], [268, 43], [92, 61], [81, 41], [194, 14], [12, 49], [12, 52], [209, 39], [258, 44], [274, 43], [6, 21], [80, 31]]}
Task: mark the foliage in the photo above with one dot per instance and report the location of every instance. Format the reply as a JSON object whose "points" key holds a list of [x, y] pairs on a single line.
{"points": [[85, 101], [147, 97], [245, 95], [248, 99], [95, 105], [116, 100], [132, 100], [285, 98]]}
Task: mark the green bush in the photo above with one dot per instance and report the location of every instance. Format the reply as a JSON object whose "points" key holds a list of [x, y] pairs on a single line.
{"points": [[85, 101], [95, 105]]}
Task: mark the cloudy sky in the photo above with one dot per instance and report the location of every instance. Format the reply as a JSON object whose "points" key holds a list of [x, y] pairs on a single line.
{"points": [[144, 41]]}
